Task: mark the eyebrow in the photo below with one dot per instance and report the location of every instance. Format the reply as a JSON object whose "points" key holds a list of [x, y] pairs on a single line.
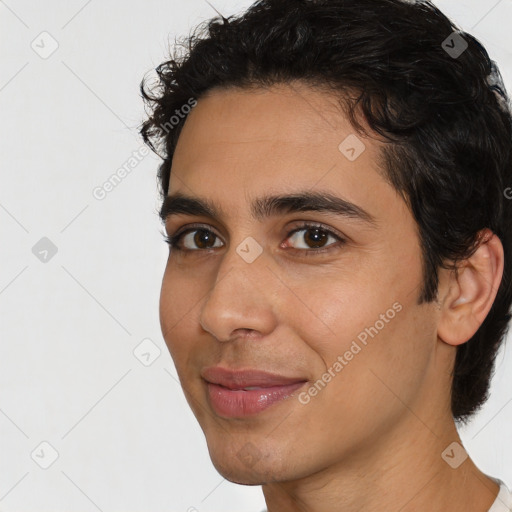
{"points": [[268, 206]]}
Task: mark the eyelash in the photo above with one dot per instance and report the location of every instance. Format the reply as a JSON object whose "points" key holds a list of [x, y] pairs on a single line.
{"points": [[173, 241]]}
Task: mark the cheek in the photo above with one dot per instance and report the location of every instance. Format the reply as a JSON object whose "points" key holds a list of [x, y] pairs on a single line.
{"points": [[167, 307], [384, 365], [366, 327], [177, 302], [179, 309], [330, 310]]}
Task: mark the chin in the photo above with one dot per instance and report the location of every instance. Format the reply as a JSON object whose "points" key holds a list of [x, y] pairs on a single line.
{"points": [[245, 479], [238, 474], [245, 466]]}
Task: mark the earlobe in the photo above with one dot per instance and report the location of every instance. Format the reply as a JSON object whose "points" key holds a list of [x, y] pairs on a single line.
{"points": [[472, 292]]}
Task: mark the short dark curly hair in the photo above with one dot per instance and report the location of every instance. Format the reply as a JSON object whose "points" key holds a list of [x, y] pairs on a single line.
{"points": [[447, 128]]}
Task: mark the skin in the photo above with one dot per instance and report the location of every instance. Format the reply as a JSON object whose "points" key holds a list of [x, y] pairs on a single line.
{"points": [[372, 438]]}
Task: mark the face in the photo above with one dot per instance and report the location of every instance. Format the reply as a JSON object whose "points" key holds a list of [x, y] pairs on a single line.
{"points": [[328, 310]]}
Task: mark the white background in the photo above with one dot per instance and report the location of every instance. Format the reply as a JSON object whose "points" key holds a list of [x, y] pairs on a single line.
{"points": [[125, 437]]}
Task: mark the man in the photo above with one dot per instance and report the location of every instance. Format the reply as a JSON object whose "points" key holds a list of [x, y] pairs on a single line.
{"points": [[334, 179]]}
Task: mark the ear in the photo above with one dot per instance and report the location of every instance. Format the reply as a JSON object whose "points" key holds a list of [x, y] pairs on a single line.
{"points": [[470, 295]]}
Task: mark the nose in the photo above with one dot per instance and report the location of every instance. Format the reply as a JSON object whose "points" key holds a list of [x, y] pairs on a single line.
{"points": [[240, 300]]}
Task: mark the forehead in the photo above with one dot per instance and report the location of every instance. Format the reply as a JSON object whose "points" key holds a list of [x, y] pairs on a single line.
{"points": [[287, 115], [239, 143]]}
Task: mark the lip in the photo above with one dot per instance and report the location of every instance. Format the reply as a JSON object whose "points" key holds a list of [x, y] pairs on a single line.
{"points": [[239, 379], [228, 397]]}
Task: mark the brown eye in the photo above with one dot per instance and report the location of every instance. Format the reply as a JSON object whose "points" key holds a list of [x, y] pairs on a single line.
{"points": [[314, 237], [193, 239], [203, 238]]}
